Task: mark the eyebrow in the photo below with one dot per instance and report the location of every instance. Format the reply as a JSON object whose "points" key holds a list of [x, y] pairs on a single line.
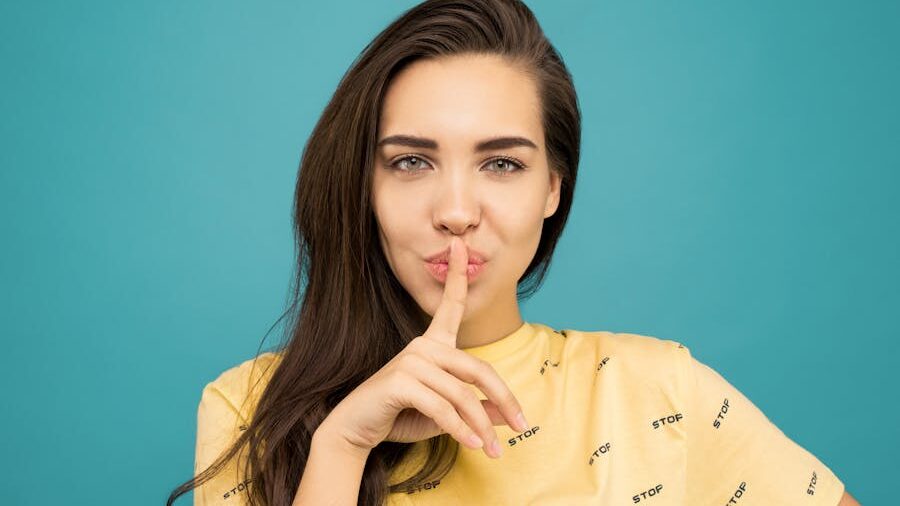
{"points": [[485, 145]]}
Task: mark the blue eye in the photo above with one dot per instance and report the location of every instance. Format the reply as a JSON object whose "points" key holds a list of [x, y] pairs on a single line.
{"points": [[507, 165]]}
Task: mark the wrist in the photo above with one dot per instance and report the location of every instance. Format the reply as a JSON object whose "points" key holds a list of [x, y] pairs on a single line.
{"points": [[332, 441]]}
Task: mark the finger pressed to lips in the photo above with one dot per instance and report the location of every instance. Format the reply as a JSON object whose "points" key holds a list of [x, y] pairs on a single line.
{"points": [[459, 366], [445, 323]]}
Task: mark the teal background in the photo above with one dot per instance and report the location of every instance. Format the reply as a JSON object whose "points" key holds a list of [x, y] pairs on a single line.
{"points": [[737, 192]]}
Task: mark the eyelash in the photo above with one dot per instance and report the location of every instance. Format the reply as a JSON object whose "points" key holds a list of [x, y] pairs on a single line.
{"points": [[518, 165]]}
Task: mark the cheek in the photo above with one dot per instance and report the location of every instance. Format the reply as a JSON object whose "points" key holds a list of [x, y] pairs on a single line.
{"points": [[519, 215], [399, 221], [396, 216]]}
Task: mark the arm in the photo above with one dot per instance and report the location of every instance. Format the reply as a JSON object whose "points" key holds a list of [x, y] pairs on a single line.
{"points": [[333, 471], [848, 500], [731, 439]]}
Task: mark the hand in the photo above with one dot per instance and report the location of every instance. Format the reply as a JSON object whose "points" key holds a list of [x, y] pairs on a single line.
{"points": [[423, 392]]}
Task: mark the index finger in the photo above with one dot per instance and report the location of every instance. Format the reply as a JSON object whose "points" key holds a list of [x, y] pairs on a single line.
{"points": [[445, 323]]}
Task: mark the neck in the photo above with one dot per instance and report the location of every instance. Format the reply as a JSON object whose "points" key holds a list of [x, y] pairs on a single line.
{"points": [[494, 322]]}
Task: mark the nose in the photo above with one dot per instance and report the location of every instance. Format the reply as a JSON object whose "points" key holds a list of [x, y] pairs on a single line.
{"points": [[456, 204]]}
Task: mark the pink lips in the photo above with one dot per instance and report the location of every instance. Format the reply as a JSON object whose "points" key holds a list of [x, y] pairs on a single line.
{"points": [[443, 256], [438, 264], [439, 270]]}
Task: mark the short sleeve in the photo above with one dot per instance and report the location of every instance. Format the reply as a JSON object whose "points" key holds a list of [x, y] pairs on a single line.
{"points": [[218, 426], [736, 455], [226, 405]]}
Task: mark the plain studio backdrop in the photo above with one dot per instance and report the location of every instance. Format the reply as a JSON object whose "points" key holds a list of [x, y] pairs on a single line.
{"points": [[737, 192]]}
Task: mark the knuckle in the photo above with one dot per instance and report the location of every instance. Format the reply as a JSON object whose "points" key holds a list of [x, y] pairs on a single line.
{"points": [[477, 362], [408, 361], [459, 426], [448, 413], [507, 398], [399, 379], [483, 368], [487, 365], [417, 343], [464, 393], [432, 333]]}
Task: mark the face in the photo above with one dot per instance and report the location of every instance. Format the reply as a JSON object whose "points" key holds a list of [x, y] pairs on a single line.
{"points": [[436, 176]]}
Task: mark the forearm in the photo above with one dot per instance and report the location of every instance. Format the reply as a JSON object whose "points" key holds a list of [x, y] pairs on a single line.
{"points": [[333, 472]]}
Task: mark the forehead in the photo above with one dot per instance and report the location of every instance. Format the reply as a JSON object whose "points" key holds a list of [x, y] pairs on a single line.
{"points": [[461, 98]]}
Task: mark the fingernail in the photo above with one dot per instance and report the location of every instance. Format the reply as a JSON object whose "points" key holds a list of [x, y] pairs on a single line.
{"points": [[495, 448], [476, 441], [520, 421]]}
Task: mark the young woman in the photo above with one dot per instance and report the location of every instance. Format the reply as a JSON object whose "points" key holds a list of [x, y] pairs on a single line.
{"points": [[429, 201]]}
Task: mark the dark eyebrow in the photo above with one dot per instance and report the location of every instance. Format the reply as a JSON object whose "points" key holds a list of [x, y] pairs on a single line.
{"points": [[485, 145]]}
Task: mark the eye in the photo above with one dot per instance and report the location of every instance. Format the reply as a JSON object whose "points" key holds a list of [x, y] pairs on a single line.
{"points": [[409, 160], [503, 165], [507, 165]]}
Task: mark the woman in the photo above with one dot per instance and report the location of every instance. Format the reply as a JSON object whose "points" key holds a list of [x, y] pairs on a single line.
{"points": [[429, 201]]}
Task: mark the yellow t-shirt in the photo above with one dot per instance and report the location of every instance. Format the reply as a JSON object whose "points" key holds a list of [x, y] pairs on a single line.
{"points": [[616, 418]]}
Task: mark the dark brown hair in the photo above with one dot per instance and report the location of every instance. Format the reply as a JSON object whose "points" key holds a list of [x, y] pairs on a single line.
{"points": [[349, 315]]}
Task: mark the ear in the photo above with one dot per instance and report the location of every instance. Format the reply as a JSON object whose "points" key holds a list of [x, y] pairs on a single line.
{"points": [[553, 197]]}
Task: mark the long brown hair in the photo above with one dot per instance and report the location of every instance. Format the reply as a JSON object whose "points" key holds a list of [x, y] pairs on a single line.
{"points": [[349, 315]]}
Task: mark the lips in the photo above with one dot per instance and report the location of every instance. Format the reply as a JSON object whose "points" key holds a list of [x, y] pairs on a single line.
{"points": [[443, 257], [439, 270]]}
